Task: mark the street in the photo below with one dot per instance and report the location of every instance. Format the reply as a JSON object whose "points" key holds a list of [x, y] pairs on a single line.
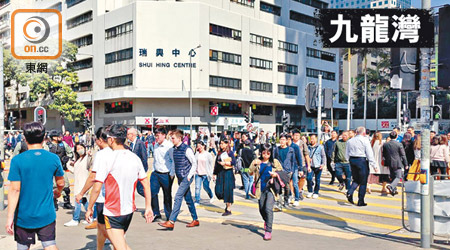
{"points": [[329, 221]]}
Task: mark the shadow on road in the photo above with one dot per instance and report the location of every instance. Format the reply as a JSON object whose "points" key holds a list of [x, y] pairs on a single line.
{"points": [[93, 243]]}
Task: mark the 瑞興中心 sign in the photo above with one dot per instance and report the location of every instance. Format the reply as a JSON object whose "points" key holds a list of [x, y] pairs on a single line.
{"points": [[160, 52], [375, 28]]}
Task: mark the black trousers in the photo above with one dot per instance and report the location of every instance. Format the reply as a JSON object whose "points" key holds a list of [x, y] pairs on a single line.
{"points": [[360, 174]]}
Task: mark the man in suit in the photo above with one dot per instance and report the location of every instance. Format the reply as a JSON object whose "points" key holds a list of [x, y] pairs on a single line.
{"points": [[395, 158], [138, 147]]}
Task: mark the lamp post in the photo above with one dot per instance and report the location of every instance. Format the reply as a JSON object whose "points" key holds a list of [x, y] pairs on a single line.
{"points": [[191, 54], [92, 93]]}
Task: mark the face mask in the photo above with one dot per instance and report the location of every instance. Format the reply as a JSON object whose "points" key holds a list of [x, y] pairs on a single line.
{"points": [[80, 152]]}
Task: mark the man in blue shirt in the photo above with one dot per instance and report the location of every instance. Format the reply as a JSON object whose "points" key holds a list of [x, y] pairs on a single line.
{"points": [[30, 197], [286, 156]]}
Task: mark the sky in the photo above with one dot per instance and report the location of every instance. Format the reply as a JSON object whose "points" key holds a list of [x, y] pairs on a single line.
{"points": [[418, 3]]}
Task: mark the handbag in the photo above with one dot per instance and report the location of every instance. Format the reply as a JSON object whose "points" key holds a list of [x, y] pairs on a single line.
{"points": [[253, 191], [414, 171]]}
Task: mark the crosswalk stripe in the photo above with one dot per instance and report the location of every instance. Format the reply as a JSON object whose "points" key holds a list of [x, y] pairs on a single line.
{"points": [[328, 217], [216, 209], [369, 204], [334, 190], [296, 229]]}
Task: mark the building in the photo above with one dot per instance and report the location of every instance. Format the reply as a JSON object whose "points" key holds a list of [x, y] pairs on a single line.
{"points": [[369, 4], [135, 61]]}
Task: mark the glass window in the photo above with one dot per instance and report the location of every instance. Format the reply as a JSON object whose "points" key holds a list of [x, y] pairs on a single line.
{"points": [[261, 86], [119, 107], [119, 30], [79, 20], [224, 32], [118, 81]]}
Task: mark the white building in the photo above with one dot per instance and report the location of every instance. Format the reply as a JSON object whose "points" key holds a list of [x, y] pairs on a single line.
{"points": [[253, 54]]}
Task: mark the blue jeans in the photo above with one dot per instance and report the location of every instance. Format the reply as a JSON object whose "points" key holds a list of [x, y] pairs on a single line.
{"points": [[77, 210], [158, 181], [360, 174], [344, 168], [199, 180], [248, 182], [149, 149], [317, 172], [184, 190], [296, 188]]}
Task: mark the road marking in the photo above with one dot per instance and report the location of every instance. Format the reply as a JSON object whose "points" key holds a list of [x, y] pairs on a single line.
{"points": [[295, 229], [216, 209], [328, 217], [367, 195], [369, 204]]}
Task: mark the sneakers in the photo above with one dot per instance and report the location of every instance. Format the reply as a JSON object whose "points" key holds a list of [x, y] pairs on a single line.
{"points": [[84, 222], [296, 203], [212, 200], [309, 195], [226, 213], [341, 186], [71, 223], [315, 196], [268, 236], [196, 204], [301, 195]]}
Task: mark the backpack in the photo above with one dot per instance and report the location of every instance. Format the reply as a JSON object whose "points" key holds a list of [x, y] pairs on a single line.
{"points": [[239, 166], [23, 147], [60, 151]]}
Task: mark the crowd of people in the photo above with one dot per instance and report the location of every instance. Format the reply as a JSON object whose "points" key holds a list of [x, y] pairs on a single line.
{"points": [[112, 165]]}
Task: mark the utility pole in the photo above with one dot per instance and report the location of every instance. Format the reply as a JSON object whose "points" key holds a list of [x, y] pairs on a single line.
{"points": [[425, 111], [349, 57], [399, 109], [2, 127], [365, 91], [319, 108]]}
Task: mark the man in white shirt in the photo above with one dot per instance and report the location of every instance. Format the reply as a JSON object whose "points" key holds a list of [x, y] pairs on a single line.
{"points": [[120, 177], [359, 153], [163, 174]]}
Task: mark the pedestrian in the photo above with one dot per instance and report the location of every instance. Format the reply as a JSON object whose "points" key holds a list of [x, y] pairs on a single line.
{"points": [[351, 134], [120, 175], [359, 153], [30, 206], [439, 155], [383, 175], [163, 174], [329, 148], [399, 135], [305, 139], [318, 162], [224, 176], [204, 172], [408, 145], [341, 164], [68, 139], [246, 155], [417, 147], [306, 161], [298, 171], [80, 168], [286, 156], [137, 146], [264, 169], [395, 158], [185, 169], [212, 144], [101, 159], [151, 144]]}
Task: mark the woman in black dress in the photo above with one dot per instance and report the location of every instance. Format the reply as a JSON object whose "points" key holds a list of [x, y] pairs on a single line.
{"points": [[223, 171]]}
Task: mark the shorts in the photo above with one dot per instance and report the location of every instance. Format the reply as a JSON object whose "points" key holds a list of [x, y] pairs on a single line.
{"points": [[100, 216], [118, 222], [26, 236]]}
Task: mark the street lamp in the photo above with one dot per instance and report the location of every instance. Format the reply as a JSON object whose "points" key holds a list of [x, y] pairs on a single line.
{"points": [[191, 54], [349, 58]]}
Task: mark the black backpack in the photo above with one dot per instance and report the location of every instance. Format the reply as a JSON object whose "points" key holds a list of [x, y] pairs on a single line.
{"points": [[23, 147], [60, 151]]}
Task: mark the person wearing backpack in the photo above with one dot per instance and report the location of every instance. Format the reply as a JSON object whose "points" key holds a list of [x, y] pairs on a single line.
{"points": [[264, 169], [286, 156], [318, 162], [64, 152], [246, 156]]}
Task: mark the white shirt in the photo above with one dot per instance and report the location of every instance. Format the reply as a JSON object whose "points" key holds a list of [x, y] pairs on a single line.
{"points": [[80, 173], [163, 158], [100, 161], [120, 177], [359, 146]]}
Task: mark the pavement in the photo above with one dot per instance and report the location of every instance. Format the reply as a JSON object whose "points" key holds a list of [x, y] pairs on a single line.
{"points": [[323, 223]]}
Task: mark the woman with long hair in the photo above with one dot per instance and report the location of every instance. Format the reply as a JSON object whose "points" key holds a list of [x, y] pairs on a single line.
{"points": [[212, 144], [408, 145], [263, 169], [417, 147], [204, 172], [383, 175], [439, 154], [80, 169], [223, 173]]}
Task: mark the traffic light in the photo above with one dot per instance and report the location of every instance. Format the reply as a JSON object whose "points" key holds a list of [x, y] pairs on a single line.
{"points": [[310, 97], [87, 123], [406, 116], [437, 112], [40, 115], [154, 122], [246, 117], [286, 122]]}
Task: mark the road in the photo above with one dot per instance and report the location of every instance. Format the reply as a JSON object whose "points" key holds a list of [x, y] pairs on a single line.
{"points": [[323, 223]]}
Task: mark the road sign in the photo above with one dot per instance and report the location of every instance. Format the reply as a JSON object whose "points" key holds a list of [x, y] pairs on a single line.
{"points": [[249, 127], [214, 110]]}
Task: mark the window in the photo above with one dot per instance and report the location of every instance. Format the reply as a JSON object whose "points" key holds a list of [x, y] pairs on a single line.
{"points": [[71, 3], [269, 8], [315, 73], [225, 57], [261, 86], [4, 19], [289, 47], [229, 108], [261, 40], [262, 109], [82, 86], [82, 64], [83, 41], [4, 2], [119, 30], [314, 3], [260, 63], [79, 20], [224, 82], [119, 107], [327, 56], [57, 6], [118, 56], [224, 32], [249, 3], [287, 68], [303, 18], [118, 81], [287, 90]]}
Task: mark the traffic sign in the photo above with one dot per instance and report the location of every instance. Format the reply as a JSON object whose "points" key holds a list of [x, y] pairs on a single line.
{"points": [[249, 127], [214, 110]]}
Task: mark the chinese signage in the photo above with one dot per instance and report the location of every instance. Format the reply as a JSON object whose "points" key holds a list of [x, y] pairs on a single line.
{"points": [[376, 28], [161, 54], [144, 120]]}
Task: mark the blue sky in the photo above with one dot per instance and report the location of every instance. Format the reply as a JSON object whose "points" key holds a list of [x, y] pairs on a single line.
{"points": [[418, 3]]}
